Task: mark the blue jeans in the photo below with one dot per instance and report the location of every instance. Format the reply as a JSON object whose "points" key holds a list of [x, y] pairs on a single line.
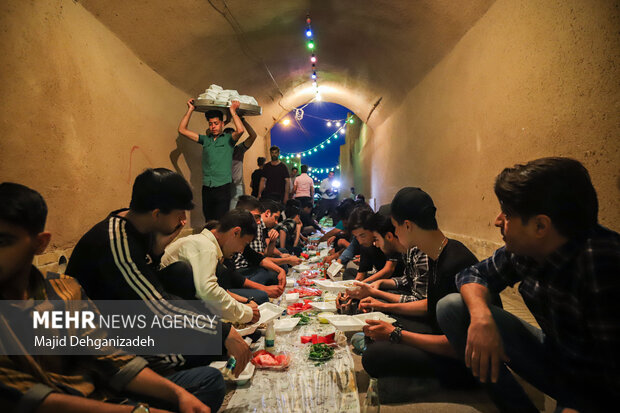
{"points": [[205, 383], [260, 297], [260, 275], [529, 357]]}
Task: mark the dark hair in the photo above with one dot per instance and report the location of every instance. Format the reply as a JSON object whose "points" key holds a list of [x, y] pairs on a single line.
{"points": [[415, 205], [238, 218], [23, 207], [260, 160], [249, 203], [304, 169], [274, 148], [360, 197], [291, 210], [344, 208], [359, 216], [211, 224], [294, 168], [210, 114], [161, 189], [557, 187], [380, 223], [271, 205]]}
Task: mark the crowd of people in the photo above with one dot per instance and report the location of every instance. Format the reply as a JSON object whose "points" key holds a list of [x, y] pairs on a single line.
{"points": [[450, 324]]}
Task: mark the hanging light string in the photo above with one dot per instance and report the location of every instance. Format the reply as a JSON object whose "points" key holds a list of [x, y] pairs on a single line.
{"points": [[341, 130], [311, 44]]}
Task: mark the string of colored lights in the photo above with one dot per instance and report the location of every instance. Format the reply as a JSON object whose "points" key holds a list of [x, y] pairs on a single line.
{"points": [[320, 146], [311, 44]]}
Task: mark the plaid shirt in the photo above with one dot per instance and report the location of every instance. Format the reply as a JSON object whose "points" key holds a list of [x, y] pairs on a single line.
{"points": [[259, 244], [575, 297], [26, 380], [415, 278]]}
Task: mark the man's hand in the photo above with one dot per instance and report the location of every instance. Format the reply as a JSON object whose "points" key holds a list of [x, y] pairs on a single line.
{"points": [[234, 105], [255, 312], [293, 260], [238, 348], [273, 234], [378, 330], [190, 105], [343, 303], [370, 304], [356, 259], [162, 240], [484, 348], [282, 279], [188, 403], [363, 290], [359, 276], [274, 291], [330, 240]]}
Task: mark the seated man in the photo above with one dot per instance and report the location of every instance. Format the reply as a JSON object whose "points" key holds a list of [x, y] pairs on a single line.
{"points": [[266, 236], [203, 252], [310, 225], [252, 264], [412, 286], [374, 265], [290, 230], [422, 350], [118, 259], [568, 267], [63, 383]]}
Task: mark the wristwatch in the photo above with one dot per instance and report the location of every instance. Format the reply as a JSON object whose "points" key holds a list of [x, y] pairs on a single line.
{"points": [[141, 408], [396, 335], [249, 300]]}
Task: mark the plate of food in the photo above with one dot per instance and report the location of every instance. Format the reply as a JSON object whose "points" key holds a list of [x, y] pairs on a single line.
{"points": [[320, 352], [375, 315], [346, 323], [303, 318], [324, 306], [266, 360], [245, 329], [243, 378], [306, 291]]}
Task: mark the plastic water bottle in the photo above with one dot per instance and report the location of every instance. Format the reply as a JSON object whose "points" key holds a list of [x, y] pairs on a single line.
{"points": [[270, 337], [230, 366], [371, 402]]}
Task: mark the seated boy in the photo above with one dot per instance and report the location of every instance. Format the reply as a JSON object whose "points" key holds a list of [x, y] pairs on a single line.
{"points": [[420, 350], [63, 383], [290, 230], [203, 252]]}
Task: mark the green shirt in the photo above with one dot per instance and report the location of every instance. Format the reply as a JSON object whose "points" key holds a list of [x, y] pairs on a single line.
{"points": [[217, 159]]}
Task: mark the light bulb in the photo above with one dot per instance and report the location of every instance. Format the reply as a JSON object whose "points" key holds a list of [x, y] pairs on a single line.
{"points": [[308, 33], [329, 124], [338, 124]]}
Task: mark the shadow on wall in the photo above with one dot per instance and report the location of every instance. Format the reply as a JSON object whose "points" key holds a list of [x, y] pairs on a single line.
{"points": [[192, 153]]}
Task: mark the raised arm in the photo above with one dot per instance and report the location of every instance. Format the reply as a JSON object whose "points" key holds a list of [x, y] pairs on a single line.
{"points": [[237, 121], [261, 186], [250, 140], [185, 121]]}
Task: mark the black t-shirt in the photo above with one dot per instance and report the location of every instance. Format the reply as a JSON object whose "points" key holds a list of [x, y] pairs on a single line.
{"points": [[275, 176], [397, 258], [454, 258], [255, 182], [228, 278], [371, 257], [308, 221]]}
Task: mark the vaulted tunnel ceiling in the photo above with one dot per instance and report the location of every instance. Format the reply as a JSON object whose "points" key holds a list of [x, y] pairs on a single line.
{"points": [[372, 49]]}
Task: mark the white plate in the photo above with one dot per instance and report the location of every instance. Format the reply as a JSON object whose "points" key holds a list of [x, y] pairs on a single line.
{"points": [[243, 378], [323, 306], [334, 269], [286, 324], [301, 267], [314, 259], [335, 286], [248, 330], [292, 297], [324, 252], [290, 282], [268, 312], [346, 323], [322, 245], [376, 315]]}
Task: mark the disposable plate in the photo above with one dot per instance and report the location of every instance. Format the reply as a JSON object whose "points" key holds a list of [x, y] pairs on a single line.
{"points": [[243, 378], [376, 315], [346, 323], [324, 306], [286, 324]]}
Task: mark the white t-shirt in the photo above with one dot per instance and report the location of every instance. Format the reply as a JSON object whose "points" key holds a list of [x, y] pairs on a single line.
{"points": [[202, 252], [304, 185]]}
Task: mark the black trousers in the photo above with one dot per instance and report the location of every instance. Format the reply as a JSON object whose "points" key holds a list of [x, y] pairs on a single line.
{"points": [[215, 201]]}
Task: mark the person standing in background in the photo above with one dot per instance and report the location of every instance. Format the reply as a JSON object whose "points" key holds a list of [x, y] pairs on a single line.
{"points": [[276, 181], [238, 187], [303, 187], [256, 176]]}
